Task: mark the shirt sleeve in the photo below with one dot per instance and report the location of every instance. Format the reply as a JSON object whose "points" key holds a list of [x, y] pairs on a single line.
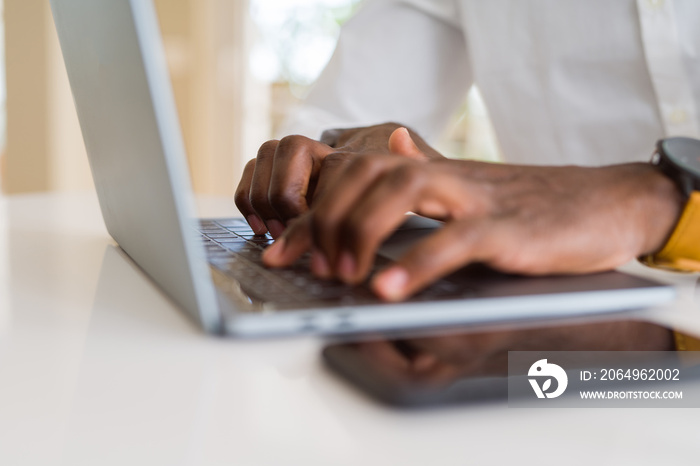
{"points": [[396, 60]]}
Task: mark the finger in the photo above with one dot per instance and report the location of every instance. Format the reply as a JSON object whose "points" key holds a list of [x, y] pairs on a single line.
{"points": [[333, 166], [347, 189], [400, 142], [455, 245], [242, 199], [260, 185], [374, 216], [411, 186], [297, 160], [295, 241]]}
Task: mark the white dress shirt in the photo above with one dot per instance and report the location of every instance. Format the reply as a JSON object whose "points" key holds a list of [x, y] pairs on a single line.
{"points": [[588, 82]]}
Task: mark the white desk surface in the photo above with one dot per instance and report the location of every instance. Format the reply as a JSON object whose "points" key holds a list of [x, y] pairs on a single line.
{"points": [[97, 367]]}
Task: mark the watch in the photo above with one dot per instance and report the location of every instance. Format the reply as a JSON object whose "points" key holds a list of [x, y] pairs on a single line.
{"points": [[679, 159]]}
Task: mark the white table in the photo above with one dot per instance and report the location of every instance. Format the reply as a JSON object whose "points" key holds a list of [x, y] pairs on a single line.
{"points": [[97, 367]]}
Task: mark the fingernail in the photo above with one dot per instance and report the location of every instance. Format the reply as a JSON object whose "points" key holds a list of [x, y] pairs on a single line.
{"points": [[319, 264], [275, 226], [273, 253], [346, 266], [256, 224], [391, 283]]}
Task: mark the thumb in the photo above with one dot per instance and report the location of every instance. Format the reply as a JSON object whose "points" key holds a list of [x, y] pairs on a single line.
{"points": [[450, 248], [400, 142]]}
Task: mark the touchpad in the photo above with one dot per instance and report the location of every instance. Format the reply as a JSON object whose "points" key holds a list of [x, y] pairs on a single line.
{"points": [[412, 230]]}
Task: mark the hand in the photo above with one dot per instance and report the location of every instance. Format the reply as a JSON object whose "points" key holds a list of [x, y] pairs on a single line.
{"points": [[287, 175], [442, 359], [517, 219]]}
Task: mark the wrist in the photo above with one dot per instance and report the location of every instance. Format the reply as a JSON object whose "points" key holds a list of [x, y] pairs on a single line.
{"points": [[678, 159], [662, 209]]}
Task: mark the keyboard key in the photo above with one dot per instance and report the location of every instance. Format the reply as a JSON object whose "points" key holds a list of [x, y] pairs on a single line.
{"points": [[239, 256], [231, 222], [219, 236], [258, 239], [244, 230], [246, 250], [252, 236]]}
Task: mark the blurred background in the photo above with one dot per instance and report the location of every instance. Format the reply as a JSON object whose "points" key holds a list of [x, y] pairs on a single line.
{"points": [[238, 67]]}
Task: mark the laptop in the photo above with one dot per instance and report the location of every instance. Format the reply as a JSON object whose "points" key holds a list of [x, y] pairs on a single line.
{"points": [[211, 268]]}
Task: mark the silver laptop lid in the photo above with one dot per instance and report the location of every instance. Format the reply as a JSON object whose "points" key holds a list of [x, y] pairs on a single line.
{"points": [[117, 72]]}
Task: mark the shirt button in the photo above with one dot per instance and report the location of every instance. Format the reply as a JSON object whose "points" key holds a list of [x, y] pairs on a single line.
{"points": [[678, 116], [656, 4]]}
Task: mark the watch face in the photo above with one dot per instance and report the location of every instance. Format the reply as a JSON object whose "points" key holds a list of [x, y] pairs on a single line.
{"points": [[685, 153]]}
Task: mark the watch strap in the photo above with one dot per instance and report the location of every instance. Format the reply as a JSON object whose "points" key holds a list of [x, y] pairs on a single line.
{"points": [[682, 250], [684, 342]]}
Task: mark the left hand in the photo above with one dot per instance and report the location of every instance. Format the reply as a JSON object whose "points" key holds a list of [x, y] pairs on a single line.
{"points": [[287, 175], [518, 219]]}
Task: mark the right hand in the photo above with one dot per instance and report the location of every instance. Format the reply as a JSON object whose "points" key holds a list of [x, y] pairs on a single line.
{"points": [[531, 220], [287, 175]]}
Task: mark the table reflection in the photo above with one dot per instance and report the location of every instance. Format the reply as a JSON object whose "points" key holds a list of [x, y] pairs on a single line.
{"points": [[439, 359], [419, 370]]}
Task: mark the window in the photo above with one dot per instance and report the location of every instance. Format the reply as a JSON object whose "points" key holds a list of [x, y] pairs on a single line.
{"points": [[296, 38]]}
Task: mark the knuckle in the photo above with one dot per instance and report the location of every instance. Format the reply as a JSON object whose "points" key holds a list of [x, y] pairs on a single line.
{"points": [[247, 174], [267, 149], [277, 195], [337, 158], [241, 199], [258, 192], [289, 145], [285, 200], [259, 204], [250, 166], [337, 162]]}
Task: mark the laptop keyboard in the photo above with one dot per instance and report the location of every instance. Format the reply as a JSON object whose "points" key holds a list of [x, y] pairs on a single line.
{"points": [[233, 249]]}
